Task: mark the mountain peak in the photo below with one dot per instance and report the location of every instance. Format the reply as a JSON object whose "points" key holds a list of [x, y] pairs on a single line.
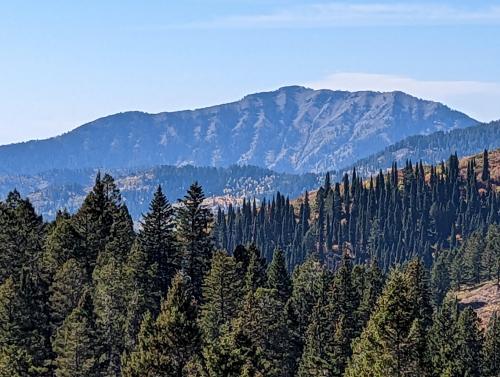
{"points": [[292, 129]]}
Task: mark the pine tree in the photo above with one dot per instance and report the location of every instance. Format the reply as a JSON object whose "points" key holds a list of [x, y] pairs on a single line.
{"points": [[277, 276], [443, 339], [141, 295], [491, 350], [469, 344], [168, 346], [222, 295], [193, 234], [15, 362], [76, 342], [440, 278], [309, 280], [157, 240], [94, 219], [67, 286], [258, 343], [386, 344], [332, 327], [255, 275], [490, 260], [485, 174]]}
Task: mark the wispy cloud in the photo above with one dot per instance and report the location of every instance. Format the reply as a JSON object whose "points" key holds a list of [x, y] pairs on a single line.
{"points": [[336, 14], [479, 99]]}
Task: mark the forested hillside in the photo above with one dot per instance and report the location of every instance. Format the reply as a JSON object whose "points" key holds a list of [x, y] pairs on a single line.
{"points": [[433, 148], [358, 283], [57, 189]]}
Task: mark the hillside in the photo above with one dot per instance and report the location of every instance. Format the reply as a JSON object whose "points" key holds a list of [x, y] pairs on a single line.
{"points": [[433, 148], [493, 157], [483, 298], [56, 189], [293, 129]]}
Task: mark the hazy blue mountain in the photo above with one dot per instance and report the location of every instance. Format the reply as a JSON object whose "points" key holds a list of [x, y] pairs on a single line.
{"points": [[66, 188], [293, 129]]}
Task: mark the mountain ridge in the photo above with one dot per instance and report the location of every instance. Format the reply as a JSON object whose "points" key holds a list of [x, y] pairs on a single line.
{"points": [[292, 129]]}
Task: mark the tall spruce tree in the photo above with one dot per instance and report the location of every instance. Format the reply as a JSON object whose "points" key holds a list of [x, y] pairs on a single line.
{"points": [[157, 240], [222, 295], [491, 349], [76, 343], [277, 276], [167, 347], [193, 234]]}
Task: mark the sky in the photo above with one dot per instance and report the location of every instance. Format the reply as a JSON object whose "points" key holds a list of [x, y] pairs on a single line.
{"points": [[65, 63]]}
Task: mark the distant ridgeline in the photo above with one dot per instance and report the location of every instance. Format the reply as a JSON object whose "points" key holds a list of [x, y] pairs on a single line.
{"points": [[57, 189], [65, 188], [392, 218], [433, 148]]}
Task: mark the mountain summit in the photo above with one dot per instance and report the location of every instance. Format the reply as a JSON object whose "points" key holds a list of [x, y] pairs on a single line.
{"points": [[292, 129]]}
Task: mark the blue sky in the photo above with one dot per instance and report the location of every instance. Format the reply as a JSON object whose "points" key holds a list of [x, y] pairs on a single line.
{"points": [[65, 63]]}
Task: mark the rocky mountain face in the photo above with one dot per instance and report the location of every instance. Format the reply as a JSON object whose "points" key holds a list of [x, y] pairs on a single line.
{"points": [[293, 130]]}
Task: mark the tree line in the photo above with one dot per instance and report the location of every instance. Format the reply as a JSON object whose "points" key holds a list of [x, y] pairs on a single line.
{"points": [[87, 295]]}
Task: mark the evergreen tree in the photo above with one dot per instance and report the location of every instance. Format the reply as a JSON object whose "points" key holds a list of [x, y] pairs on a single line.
{"points": [[485, 174], [255, 275], [76, 343], [259, 340], [168, 346], [491, 350], [67, 286], [277, 276], [442, 339], [141, 296], [469, 344], [222, 295], [193, 234], [386, 344], [157, 240]]}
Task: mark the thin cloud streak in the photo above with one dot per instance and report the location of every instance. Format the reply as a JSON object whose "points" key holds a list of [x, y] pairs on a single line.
{"points": [[342, 14], [476, 98]]}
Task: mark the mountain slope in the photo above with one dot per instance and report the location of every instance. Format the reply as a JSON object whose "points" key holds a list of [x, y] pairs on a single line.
{"points": [[56, 189], [433, 148], [293, 129]]}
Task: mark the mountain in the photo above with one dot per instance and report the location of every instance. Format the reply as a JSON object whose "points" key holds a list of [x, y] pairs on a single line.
{"points": [[432, 148], [293, 129]]}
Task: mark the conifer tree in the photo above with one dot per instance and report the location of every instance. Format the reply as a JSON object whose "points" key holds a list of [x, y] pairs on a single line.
{"points": [[255, 275], [222, 295], [193, 234], [67, 286], [469, 344], [168, 346], [76, 343], [141, 295], [259, 340], [490, 259], [157, 240], [309, 280], [16, 362], [95, 218], [385, 346], [491, 350], [277, 276], [485, 174]]}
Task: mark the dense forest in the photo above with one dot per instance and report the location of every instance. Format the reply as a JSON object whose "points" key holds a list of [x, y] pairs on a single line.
{"points": [[358, 281], [436, 146]]}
